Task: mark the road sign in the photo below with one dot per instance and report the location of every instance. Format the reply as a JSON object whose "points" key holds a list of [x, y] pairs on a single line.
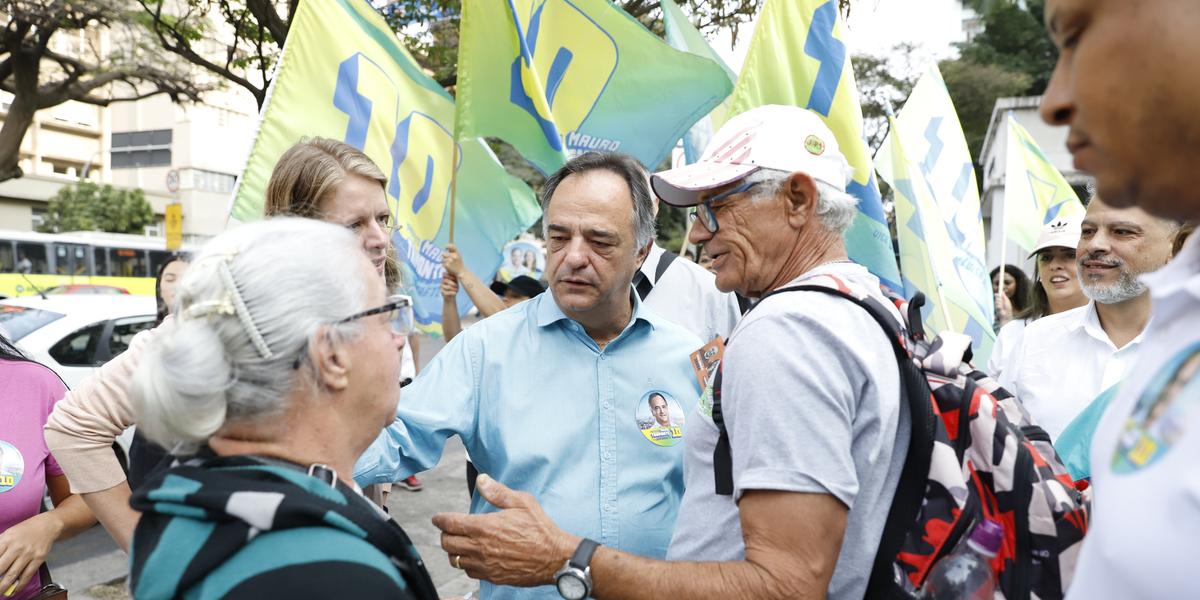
{"points": [[174, 220], [173, 180]]}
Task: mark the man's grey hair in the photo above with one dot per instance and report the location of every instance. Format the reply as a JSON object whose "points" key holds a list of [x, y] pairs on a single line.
{"points": [[835, 208], [629, 169]]}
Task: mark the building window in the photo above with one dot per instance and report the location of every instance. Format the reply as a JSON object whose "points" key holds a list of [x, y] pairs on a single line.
{"points": [[209, 181], [135, 149]]}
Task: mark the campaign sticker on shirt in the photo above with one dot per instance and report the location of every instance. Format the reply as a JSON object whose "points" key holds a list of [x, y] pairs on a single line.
{"points": [[12, 466], [660, 418], [1161, 414], [705, 363]]}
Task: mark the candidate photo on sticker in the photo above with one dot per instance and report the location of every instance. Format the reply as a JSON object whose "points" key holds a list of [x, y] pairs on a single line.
{"points": [[660, 418]]}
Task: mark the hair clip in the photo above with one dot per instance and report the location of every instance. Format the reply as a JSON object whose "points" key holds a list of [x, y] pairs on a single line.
{"points": [[207, 308]]}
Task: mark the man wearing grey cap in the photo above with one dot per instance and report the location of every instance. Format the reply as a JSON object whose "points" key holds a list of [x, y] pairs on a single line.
{"points": [[812, 411]]}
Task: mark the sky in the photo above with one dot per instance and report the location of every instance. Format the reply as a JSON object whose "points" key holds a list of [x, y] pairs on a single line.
{"points": [[875, 26]]}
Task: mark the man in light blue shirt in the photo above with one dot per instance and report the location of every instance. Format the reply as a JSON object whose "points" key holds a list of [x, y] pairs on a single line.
{"points": [[548, 395]]}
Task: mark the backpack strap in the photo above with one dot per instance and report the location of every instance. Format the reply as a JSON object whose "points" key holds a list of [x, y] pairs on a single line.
{"points": [[914, 393], [722, 455], [642, 284]]}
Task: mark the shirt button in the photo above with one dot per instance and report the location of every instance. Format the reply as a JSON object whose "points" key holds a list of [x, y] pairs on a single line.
{"points": [[607, 405], [610, 508], [608, 456]]}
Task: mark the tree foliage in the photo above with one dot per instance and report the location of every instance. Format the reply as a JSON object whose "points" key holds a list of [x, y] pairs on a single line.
{"points": [[884, 82], [1012, 56], [974, 88], [86, 206], [1014, 38], [238, 42], [52, 51]]}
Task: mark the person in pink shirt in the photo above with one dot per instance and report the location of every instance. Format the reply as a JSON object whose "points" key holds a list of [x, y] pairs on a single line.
{"points": [[28, 392]]}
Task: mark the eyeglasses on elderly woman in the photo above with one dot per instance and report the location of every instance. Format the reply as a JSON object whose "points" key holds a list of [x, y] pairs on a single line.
{"points": [[399, 310]]}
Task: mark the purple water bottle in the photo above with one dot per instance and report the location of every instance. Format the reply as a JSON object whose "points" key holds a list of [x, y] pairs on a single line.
{"points": [[966, 573]]}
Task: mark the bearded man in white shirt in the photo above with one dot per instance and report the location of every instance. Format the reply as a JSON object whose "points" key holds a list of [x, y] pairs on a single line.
{"points": [[1066, 360]]}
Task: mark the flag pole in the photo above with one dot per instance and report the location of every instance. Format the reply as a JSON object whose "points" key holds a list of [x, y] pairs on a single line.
{"points": [[453, 186], [1003, 223]]}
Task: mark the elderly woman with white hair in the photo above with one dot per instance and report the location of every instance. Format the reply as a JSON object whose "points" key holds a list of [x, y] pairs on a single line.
{"points": [[285, 365]]}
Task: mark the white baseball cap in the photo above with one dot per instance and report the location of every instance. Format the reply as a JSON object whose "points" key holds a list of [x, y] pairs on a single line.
{"points": [[785, 138], [1062, 231]]}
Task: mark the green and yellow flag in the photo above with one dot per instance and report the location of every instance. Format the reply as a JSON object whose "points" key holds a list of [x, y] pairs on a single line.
{"points": [[1035, 193], [797, 57], [559, 77], [682, 35], [344, 75], [937, 213]]}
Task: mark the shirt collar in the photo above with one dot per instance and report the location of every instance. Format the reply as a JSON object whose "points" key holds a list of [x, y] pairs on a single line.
{"points": [[1181, 275], [548, 311], [1089, 321]]}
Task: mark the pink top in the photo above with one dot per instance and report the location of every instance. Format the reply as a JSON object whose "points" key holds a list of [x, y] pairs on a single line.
{"points": [[28, 392]]}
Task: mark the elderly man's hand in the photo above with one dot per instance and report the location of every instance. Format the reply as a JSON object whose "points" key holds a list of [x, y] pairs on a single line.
{"points": [[518, 546], [452, 260]]}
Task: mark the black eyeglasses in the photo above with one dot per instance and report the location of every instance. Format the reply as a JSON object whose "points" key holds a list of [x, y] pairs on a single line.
{"points": [[400, 314], [704, 211], [399, 310]]}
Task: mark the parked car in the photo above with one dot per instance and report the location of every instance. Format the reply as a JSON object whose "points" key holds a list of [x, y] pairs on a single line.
{"points": [[75, 334], [86, 288]]}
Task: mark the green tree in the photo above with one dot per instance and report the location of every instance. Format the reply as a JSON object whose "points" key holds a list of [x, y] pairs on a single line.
{"points": [[1012, 56], [86, 206], [53, 51], [974, 89], [1014, 38], [884, 82]]}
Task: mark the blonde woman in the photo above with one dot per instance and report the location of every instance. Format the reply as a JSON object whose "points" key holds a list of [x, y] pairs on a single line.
{"points": [[317, 178]]}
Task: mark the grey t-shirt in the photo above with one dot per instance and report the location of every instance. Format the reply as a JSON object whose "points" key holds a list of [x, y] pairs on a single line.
{"points": [[811, 398]]}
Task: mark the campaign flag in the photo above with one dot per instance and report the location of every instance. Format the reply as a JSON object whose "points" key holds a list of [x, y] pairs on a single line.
{"points": [[1035, 193], [682, 35], [560, 77], [797, 57], [930, 260], [344, 75], [929, 129]]}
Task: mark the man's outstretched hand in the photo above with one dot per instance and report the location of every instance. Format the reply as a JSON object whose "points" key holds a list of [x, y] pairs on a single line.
{"points": [[519, 545]]}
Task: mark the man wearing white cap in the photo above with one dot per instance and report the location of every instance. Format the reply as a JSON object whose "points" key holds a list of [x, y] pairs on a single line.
{"points": [[1055, 290], [813, 413], [1066, 360]]}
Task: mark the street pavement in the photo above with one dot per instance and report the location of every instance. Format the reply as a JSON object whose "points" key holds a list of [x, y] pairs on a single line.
{"points": [[91, 566]]}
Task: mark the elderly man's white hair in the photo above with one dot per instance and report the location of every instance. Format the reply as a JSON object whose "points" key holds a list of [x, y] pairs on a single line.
{"points": [[835, 208]]}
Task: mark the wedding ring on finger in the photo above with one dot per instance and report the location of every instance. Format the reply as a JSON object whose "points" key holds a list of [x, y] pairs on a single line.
{"points": [[454, 561]]}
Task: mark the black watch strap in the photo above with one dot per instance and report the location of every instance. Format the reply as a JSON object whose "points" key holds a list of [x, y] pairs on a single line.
{"points": [[583, 554]]}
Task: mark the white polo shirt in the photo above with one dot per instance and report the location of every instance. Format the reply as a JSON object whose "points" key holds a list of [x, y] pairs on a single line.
{"points": [[687, 295], [1146, 456], [1064, 362]]}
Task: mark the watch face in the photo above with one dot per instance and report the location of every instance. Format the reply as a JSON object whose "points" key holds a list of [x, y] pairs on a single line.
{"points": [[571, 587]]}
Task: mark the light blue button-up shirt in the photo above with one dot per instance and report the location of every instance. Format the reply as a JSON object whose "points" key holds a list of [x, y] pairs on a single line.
{"points": [[542, 409]]}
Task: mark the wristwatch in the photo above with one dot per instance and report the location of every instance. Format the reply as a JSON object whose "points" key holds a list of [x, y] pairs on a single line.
{"points": [[574, 579]]}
